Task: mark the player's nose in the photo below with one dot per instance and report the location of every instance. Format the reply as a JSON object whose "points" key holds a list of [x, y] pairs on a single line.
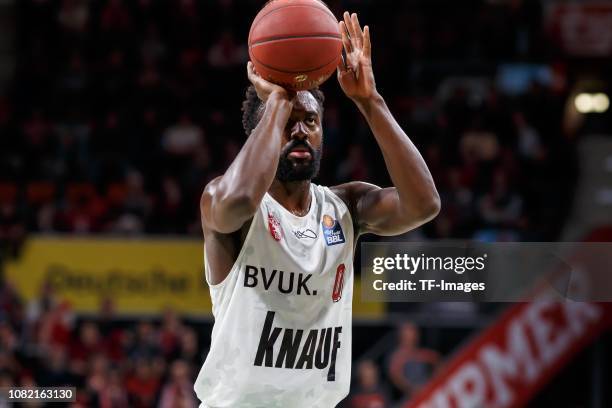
{"points": [[299, 131]]}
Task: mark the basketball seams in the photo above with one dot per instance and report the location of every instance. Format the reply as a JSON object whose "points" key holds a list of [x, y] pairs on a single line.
{"points": [[294, 36], [281, 71]]}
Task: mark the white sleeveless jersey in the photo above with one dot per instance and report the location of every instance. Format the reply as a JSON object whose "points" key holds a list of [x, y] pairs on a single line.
{"points": [[282, 332]]}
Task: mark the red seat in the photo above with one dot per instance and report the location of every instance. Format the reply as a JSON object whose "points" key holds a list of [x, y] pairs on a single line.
{"points": [[8, 192], [80, 191], [116, 193], [40, 192]]}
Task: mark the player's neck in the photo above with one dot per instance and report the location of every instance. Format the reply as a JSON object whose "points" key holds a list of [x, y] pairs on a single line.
{"points": [[294, 196]]}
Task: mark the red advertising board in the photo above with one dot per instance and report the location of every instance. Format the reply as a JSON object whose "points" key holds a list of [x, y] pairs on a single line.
{"points": [[515, 357], [582, 28]]}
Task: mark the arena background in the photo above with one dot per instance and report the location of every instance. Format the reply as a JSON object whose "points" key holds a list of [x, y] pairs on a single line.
{"points": [[115, 114]]}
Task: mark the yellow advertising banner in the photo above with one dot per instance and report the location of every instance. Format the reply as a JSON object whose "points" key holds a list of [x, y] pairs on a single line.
{"points": [[140, 276]]}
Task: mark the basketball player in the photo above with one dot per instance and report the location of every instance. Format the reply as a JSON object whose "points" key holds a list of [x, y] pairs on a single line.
{"points": [[279, 249]]}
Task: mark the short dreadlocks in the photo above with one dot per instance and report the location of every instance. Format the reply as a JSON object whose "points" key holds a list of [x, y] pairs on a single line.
{"points": [[252, 107]]}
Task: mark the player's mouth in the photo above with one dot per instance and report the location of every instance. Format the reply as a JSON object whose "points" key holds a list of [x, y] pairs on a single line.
{"points": [[300, 153]]}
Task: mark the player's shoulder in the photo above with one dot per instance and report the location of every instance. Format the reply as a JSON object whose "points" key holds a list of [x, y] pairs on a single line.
{"points": [[352, 191]]}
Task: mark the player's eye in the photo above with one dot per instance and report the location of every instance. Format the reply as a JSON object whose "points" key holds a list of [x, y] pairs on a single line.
{"points": [[310, 121]]}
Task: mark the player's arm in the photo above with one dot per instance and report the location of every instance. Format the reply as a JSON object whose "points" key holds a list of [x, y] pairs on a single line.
{"points": [[231, 200], [414, 199]]}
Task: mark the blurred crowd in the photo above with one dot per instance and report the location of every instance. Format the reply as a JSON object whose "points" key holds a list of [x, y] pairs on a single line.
{"points": [[121, 111], [406, 371], [147, 364]]}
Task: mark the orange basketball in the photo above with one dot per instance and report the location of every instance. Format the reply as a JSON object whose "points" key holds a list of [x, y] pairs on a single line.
{"points": [[295, 43]]}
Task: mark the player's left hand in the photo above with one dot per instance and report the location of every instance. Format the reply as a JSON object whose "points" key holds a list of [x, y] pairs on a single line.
{"points": [[355, 73]]}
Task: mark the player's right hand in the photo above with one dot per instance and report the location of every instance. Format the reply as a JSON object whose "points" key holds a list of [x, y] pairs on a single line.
{"points": [[265, 88]]}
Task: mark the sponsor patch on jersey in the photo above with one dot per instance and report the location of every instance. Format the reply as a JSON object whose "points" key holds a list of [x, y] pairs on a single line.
{"points": [[338, 283], [332, 231], [274, 226]]}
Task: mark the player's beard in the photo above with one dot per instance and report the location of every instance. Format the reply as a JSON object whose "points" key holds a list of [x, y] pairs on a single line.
{"points": [[298, 170]]}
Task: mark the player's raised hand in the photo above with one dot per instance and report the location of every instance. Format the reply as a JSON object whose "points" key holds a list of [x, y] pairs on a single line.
{"points": [[355, 73], [264, 88]]}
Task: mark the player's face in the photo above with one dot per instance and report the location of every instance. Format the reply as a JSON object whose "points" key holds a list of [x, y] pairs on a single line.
{"points": [[301, 151]]}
